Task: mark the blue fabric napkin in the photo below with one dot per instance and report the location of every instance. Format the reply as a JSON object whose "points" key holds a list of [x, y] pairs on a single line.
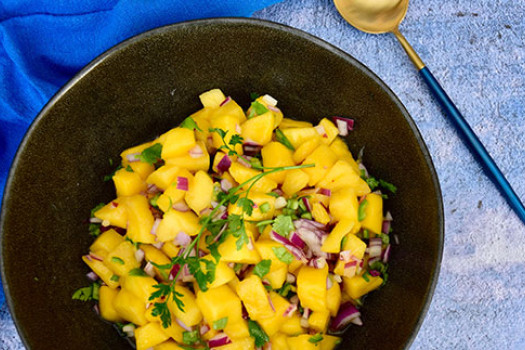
{"points": [[43, 43]]}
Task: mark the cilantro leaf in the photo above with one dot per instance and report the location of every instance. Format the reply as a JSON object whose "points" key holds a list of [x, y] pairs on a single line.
{"points": [[161, 309], [129, 169], [94, 230], [151, 154], [153, 200], [236, 140], [220, 323], [280, 137], [273, 194], [285, 290], [388, 186], [262, 268], [137, 272], [265, 207], [221, 132], [87, 293], [361, 211], [258, 107], [254, 95], [110, 176], [283, 254], [257, 333], [115, 278], [283, 225], [190, 338], [117, 260], [316, 338], [163, 290], [246, 204], [189, 123]]}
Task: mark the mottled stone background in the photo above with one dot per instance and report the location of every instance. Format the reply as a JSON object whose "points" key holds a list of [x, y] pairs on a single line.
{"points": [[476, 50]]}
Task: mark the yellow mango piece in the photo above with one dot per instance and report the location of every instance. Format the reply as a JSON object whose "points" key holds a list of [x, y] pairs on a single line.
{"points": [[277, 277], [106, 242], [168, 345], [140, 219], [229, 305], [241, 174], [101, 270], [140, 286], [292, 326], [228, 123], [170, 249], [295, 180], [355, 245], [237, 330], [130, 308], [259, 129], [122, 259], [259, 199], [279, 342], [246, 343], [311, 287], [230, 108], [149, 335], [191, 314], [288, 123], [318, 320], [329, 342], [192, 162], [323, 158], [275, 154], [164, 176], [320, 214], [271, 325], [333, 297], [340, 148], [294, 266], [174, 331], [200, 192], [341, 175], [306, 149], [135, 150], [229, 253], [344, 205], [297, 136], [128, 183], [218, 157], [223, 273], [174, 222], [357, 286], [156, 256], [255, 298], [212, 98], [106, 296], [332, 244], [330, 130], [114, 213], [143, 169], [373, 213], [202, 119], [173, 194], [178, 142], [301, 342]]}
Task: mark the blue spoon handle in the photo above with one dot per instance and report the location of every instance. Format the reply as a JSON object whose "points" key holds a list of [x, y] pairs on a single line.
{"points": [[475, 145]]}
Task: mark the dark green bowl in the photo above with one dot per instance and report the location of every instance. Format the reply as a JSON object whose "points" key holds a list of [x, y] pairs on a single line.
{"points": [[146, 86]]}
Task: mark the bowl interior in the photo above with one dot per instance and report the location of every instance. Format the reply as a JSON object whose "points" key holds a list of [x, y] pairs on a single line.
{"points": [[146, 86]]}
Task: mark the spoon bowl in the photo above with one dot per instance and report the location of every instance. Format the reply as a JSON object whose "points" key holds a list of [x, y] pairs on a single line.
{"points": [[375, 17]]}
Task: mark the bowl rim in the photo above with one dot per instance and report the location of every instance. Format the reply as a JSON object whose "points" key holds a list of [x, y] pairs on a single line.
{"points": [[256, 22]]}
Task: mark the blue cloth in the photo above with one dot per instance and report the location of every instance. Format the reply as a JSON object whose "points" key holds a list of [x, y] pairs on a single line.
{"points": [[43, 43]]}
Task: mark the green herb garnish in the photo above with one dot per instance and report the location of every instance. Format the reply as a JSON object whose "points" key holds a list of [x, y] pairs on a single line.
{"points": [[151, 154], [316, 338], [220, 323], [87, 293], [117, 260], [189, 123], [257, 333], [280, 137], [283, 254], [361, 212], [262, 268], [283, 225]]}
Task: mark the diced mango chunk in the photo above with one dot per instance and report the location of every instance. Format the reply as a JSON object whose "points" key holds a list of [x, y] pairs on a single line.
{"points": [[106, 297], [311, 287], [149, 335], [358, 286]]}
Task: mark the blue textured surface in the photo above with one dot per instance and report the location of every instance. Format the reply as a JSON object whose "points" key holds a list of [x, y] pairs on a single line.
{"points": [[476, 50]]}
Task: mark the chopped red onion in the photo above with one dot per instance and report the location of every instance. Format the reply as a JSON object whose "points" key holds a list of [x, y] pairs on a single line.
{"points": [[180, 206], [183, 325], [345, 255], [186, 276], [388, 217], [373, 260], [350, 264], [362, 167], [228, 99], [385, 227], [95, 220], [396, 239], [338, 278], [182, 183], [374, 273], [269, 100], [376, 241], [329, 283], [374, 251], [244, 163], [139, 255], [224, 164], [342, 126], [226, 185], [133, 157], [174, 270], [280, 202], [220, 233], [251, 148], [290, 310], [219, 340], [386, 253], [196, 152], [307, 203], [250, 244], [274, 109], [318, 263], [271, 303], [290, 278], [309, 224], [296, 240], [298, 253], [149, 269], [92, 276], [238, 128], [95, 257], [346, 314], [152, 189], [129, 328], [348, 121], [357, 321], [306, 313], [325, 192], [320, 130], [156, 224], [182, 239], [114, 204], [204, 329], [96, 309]]}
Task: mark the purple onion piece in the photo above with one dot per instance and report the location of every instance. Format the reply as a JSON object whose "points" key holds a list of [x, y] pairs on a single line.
{"points": [[346, 314], [224, 164]]}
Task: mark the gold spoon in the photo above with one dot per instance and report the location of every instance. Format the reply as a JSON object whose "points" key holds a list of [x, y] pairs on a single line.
{"points": [[383, 16]]}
